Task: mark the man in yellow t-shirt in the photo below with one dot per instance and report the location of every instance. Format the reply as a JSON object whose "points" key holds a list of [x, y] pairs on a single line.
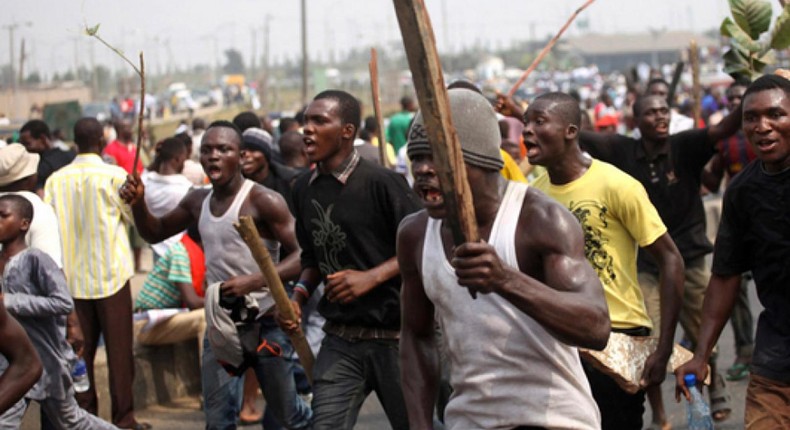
{"points": [[616, 216]]}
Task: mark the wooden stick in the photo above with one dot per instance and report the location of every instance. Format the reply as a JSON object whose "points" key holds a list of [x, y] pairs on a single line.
{"points": [[140, 116], [373, 66], [696, 90], [420, 45], [249, 233], [546, 49]]}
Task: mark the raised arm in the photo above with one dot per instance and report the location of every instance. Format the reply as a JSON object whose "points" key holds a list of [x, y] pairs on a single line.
{"points": [[24, 366], [154, 229], [726, 127], [418, 354], [670, 267], [569, 302]]}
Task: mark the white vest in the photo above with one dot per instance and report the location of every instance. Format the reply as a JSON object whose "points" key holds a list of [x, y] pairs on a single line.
{"points": [[226, 253], [506, 369]]}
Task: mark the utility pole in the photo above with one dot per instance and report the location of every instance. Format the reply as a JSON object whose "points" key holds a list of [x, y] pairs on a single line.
{"points": [[22, 57], [304, 53], [11, 27], [264, 88], [254, 71]]}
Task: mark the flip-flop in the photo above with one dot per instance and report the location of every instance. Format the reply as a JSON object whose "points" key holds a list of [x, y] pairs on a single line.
{"points": [[738, 371]]}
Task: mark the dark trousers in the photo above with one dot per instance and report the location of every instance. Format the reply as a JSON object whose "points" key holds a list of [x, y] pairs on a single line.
{"points": [[619, 409], [112, 317], [344, 375]]}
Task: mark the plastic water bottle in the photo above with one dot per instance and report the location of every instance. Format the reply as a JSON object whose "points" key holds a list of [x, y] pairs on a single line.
{"points": [[697, 411], [79, 377]]}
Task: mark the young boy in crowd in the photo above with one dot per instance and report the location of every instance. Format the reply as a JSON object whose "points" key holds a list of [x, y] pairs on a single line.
{"points": [[35, 293]]}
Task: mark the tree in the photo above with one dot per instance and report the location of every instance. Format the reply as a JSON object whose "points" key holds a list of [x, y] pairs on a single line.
{"points": [[749, 53], [235, 63], [33, 78]]}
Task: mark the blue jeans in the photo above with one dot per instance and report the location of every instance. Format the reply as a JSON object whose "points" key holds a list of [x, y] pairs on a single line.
{"points": [[275, 375], [346, 372]]}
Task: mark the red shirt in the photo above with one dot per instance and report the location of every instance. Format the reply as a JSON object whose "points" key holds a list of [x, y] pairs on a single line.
{"points": [[123, 155]]}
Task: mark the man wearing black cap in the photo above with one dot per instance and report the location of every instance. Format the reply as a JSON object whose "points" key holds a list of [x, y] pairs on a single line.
{"points": [[539, 297], [258, 165]]}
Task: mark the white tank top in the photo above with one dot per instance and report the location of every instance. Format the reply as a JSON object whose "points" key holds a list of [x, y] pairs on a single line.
{"points": [[226, 253], [506, 369]]}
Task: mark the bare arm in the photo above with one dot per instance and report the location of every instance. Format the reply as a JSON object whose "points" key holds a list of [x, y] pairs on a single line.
{"points": [[274, 221], [24, 366], [569, 302], [719, 301], [418, 355], [348, 285], [726, 127], [670, 267], [154, 229], [713, 173], [189, 296]]}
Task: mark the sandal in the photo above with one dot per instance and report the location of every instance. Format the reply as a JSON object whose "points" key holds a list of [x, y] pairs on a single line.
{"points": [[738, 371], [720, 408]]}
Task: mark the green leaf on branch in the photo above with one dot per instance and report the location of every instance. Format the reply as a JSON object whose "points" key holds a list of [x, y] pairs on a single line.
{"points": [[733, 31], [780, 35], [752, 16], [91, 31]]}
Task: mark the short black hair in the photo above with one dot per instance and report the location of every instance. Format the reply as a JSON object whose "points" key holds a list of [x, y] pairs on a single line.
{"points": [[467, 85], [285, 124], [655, 81], [565, 105], [227, 124], [247, 120], [167, 150], [37, 128], [350, 111], [768, 82], [291, 144], [20, 205], [88, 133]]}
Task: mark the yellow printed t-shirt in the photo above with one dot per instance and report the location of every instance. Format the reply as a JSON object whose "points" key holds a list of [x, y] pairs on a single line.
{"points": [[616, 216]]}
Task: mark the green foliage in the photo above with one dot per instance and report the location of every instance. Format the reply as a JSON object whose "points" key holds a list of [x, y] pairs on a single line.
{"points": [[750, 48], [780, 36], [753, 17]]}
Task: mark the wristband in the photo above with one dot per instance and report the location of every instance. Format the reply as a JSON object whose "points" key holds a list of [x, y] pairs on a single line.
{"points": [[301, 288]]}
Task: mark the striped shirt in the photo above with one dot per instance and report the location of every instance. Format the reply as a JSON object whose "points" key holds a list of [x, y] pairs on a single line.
{"points": [[93, 221], [159, 289]]}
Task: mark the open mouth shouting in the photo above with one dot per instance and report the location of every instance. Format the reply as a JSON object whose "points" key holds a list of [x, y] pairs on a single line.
{"points": [[431, 196]]}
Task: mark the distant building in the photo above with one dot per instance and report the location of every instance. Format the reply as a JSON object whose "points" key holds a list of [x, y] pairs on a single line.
{"points": [[612, 52]]}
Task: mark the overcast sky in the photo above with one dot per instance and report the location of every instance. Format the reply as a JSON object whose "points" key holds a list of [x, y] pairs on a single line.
{"points": [[197, 31]]}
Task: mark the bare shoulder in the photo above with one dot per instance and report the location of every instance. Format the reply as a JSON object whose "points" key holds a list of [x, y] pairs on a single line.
{"points": [[545, 220], [412, 226], [266, 200], [193, 200], [411, 233]]}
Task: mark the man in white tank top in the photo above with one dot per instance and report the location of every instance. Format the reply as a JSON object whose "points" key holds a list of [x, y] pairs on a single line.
{"points": [[512, 350], [228, 260]]}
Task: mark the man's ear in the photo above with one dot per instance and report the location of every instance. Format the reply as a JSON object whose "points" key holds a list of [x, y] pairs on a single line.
{"points": [[349, 131], [571, 132], [25, 225]]}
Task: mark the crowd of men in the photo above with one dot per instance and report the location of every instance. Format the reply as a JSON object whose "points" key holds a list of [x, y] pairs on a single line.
{"points": [[607, 241]]}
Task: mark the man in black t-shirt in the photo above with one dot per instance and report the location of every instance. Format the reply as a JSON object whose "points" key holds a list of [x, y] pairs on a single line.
{"points": [[754, 234], [347, 215], [37, 138], [670, 168]]}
